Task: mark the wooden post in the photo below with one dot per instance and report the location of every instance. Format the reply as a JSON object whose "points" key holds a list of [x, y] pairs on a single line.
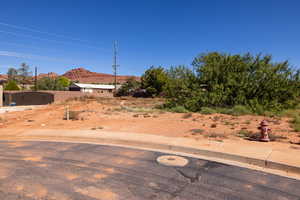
{"points": [[68, 113]]}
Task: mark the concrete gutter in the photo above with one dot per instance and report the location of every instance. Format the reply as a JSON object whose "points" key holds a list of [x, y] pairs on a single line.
{"points": [[264, 157]]}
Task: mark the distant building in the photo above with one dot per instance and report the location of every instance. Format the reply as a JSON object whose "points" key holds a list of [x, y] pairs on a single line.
{"points": [[92, 88], [3, 80]]}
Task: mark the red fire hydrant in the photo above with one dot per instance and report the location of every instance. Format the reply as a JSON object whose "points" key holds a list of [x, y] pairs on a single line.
{"points": [[264, 131]]}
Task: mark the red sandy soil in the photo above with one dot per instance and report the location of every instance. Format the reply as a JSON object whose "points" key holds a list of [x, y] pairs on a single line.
{"points": [[139, 116]]}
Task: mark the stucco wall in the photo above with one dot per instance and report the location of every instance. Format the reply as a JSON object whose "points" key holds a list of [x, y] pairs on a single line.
{"points": [[64, 95], [1, 95]]}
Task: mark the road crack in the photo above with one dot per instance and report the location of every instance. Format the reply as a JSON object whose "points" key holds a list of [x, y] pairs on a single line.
{"points": [[192, 179]]}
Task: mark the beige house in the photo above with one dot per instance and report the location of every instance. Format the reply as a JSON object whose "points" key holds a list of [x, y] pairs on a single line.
{"points": [[92, 88]]}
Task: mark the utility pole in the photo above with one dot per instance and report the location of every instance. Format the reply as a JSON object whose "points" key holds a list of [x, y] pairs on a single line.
{"points": [[35, 79], [114, 66]]}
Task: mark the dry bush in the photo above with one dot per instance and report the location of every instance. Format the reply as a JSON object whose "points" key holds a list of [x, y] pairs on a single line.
{"points": [[96, 128], [82, 98], [213, 125], [249, 135], [73, 115], [187, 115], [2, 120], [215, 135], [197, 130]]}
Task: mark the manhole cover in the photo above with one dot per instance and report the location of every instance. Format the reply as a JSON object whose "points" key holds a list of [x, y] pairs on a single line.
{"points": [[171, 160]]}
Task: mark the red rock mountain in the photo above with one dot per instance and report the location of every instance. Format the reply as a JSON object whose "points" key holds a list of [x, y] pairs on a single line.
{"points": [[3, 79], [50, 75], [85, 76], [3, 76]]}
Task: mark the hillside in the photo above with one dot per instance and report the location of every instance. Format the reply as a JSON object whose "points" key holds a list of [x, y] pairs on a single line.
{"points": [[50, 74], [3, 76], [85, 76]]}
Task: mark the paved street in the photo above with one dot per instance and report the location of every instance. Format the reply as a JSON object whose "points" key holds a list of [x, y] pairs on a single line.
{"points": [[65, 171]]}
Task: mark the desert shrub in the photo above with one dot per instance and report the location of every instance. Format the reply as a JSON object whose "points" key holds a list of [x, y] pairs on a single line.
{"points": [[197, 130], [247, 122], [178, 109], [224, 110], [289, 113], [237, 110], [296, 123], [276, 137], [134, 109], [243, 83], [249, 135], [48, 83], [153, 80], [207, 110], [215, 135], [241, 110], [73, 115], [245, 133], [84, 98], [180, 88], [2, 120], [187, 115], [11, 85], [213, 125], [129, 87]]}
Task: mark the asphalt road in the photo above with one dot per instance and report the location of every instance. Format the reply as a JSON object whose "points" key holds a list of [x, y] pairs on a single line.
{"points": [[64, 171]]}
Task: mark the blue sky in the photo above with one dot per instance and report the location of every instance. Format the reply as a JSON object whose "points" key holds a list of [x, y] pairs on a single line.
{"points": [[57, 35]]}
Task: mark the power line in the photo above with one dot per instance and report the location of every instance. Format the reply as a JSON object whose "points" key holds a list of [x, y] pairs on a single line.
{"points": [[43, 32], [50, 40], [32, 56]]}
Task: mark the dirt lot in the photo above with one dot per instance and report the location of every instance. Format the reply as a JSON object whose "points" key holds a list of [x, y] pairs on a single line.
{"points": [[140, 116]]}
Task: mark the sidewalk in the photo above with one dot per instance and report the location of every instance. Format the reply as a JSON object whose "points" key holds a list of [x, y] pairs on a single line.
{"points": [[256, 154], [18, 108]]}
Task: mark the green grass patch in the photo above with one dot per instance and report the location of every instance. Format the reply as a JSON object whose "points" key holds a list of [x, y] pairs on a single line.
{"points": [[245, 133], [197, 130], [249, 135], [134, 109], [177, 109], [296, 123], [207, 111], [215, 135]]}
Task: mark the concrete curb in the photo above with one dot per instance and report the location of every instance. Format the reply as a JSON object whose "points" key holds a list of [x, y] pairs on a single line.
{"points": [[160, 143]]}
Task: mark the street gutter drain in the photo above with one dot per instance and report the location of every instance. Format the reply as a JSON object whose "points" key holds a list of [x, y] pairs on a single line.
{"points": [[170, 160]]}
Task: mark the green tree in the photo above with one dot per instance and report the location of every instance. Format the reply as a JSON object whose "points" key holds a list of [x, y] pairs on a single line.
{"points": [[12, 73], [63, 81], [11, 85], [181, 88], [46, 83], [129, 87], [153, 80], [24, 74], [224, 80]]}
